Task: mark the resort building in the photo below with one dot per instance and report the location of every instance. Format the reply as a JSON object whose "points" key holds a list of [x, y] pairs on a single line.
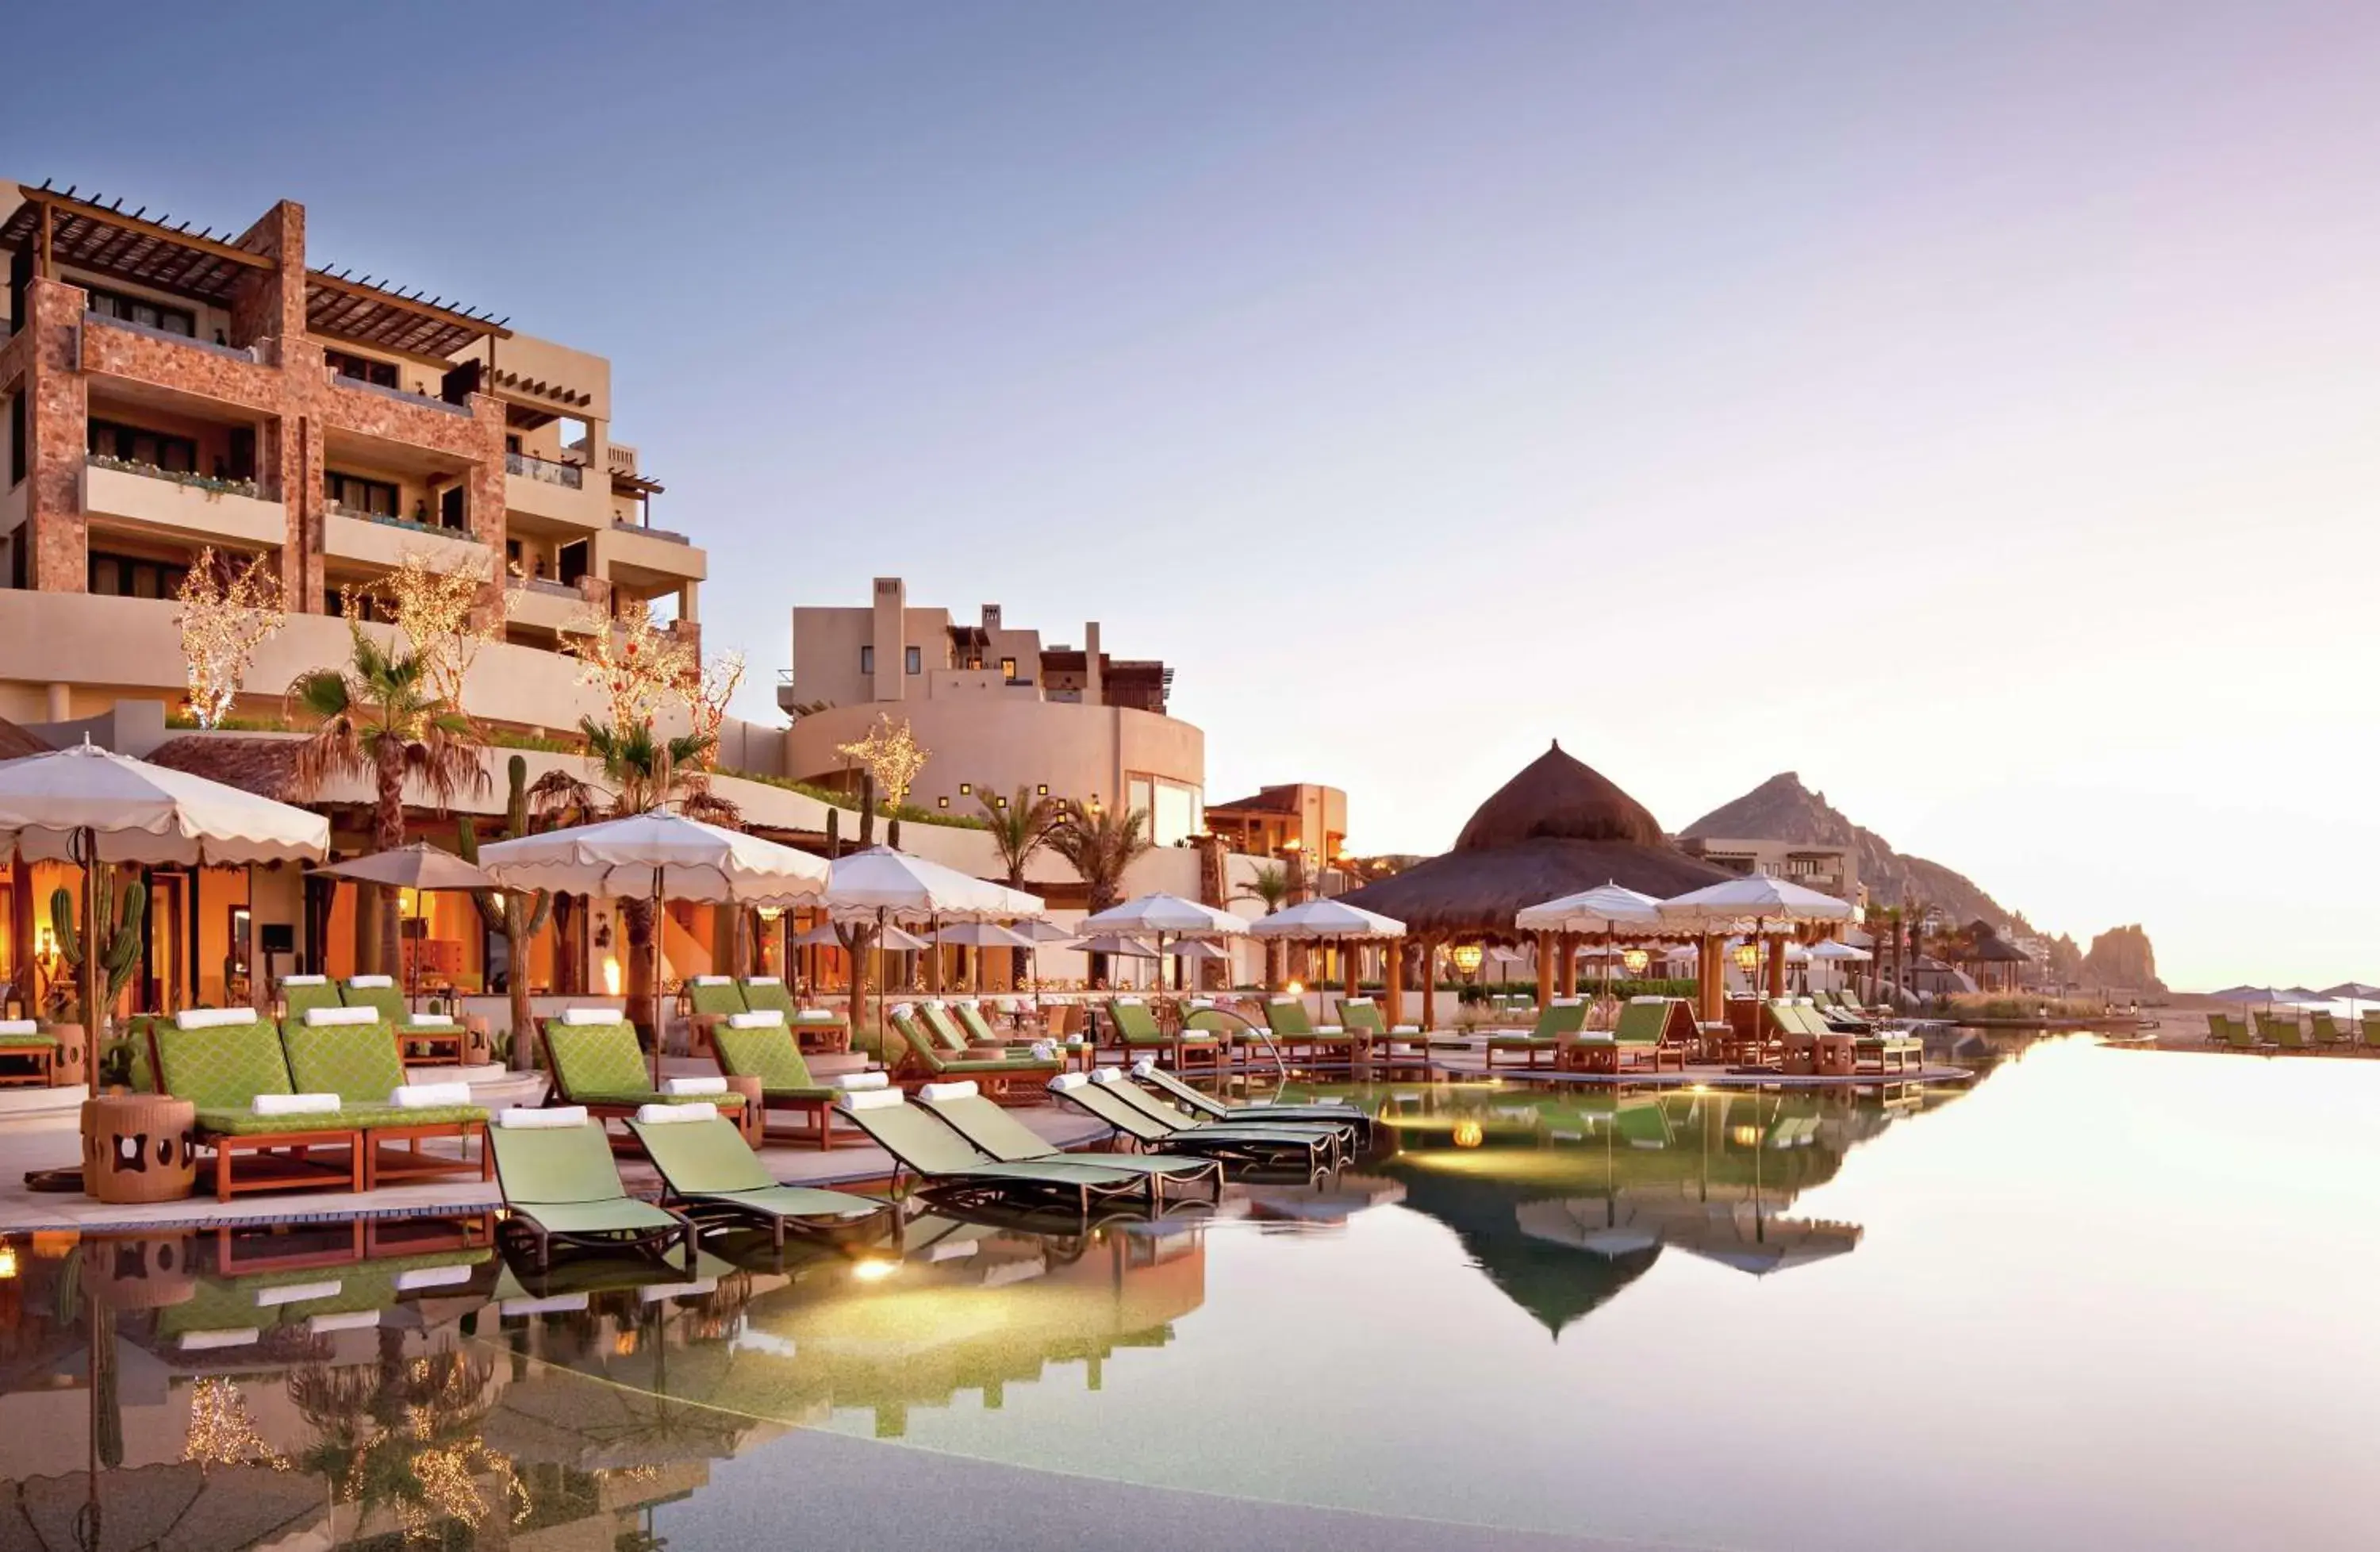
{"points": [[999, 709], [1298, 818], [165, 390], [1828, 869]]}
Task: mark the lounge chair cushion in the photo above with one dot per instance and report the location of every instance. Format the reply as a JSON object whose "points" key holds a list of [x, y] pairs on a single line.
{"points": [[24, 1035], [597, 1059], [224, 1066], [358, 1062], [768, 1054], [608, 1215], [377, 992], [630, 1098]]}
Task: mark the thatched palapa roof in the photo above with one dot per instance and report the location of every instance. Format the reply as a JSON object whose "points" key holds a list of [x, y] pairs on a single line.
{"points": [[267, 767], [16, 743], [1555, 829]]}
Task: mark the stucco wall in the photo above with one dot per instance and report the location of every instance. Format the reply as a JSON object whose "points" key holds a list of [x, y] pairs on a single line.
{"points": [[1003, 742]]}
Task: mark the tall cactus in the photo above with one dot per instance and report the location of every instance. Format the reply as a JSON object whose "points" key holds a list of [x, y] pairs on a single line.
{"points": [[119, 929], [833, 833], [519, 917]]}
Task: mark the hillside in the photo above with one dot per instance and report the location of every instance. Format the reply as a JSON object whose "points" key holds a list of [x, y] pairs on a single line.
{"points": [[1782, 808]]}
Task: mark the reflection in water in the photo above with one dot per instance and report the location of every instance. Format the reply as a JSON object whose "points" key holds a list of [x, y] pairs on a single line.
{"points": [[395, 1383]]}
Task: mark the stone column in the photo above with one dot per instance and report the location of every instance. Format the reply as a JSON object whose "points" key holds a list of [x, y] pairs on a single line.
{"points": [[57, 405]]}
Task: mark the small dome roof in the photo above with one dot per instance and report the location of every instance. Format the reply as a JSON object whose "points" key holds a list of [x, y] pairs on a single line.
{"points": [[1558, 797]]}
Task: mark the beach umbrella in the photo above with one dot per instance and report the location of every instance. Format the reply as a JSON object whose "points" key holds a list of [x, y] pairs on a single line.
{"points": [[423, 869], [1753, 904], [890, 885], [1116, 943], [94, 806], [824, 935], [1328, 921], [1843, 953], [2352, 993], [979, 936], [1609, 910], [663, 856], [1165, 914]]}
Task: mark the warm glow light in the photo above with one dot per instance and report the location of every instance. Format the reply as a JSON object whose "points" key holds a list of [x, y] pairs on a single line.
{"points": [[1296, 988], [1468, 957], [874, 1268], [610, 975], [1744, 1136], [7, 1260], [1747, 956], [625, 1344], [1635, 960], [1469, 1134]]}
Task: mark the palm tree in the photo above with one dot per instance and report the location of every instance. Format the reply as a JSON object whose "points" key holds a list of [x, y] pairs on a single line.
{"points": [[1019, 828], [377, 717], [638, 772], [1100, 844], [1270, 886]]}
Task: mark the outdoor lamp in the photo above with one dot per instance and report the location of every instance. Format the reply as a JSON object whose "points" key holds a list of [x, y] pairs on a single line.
{"points": [[1468, 957], [1744, 1136], [1635, 961], [1469, 1134], [7, 1260], [1747, 956]]}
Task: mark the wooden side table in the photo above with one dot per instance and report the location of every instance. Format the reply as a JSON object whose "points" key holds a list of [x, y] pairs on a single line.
{"points": [[140, 1147], [755, 1119]]}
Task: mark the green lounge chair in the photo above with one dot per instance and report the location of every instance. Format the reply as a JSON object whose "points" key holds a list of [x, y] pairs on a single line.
{"points": [[823, 1025], [24, 1040], [2371, 1025], [598, 1066], [237, 1310], [2237, 1033], [1097, 1095], [978, 1029], [1292, 1030], [380, 993], [1138, 1033], [1645, 1125], [948, 1165], [302, 994], [714, 996], [1890, 1050], [757, 1045], [1340, 1130], [2326, 1031], [223, 1060], [328, 1053], [910, 1048], [561, 1185], [1654, 1030], [995, 1131], [709, 1169], [2284, 1032], [1157, 1078], [1560, 1019]]}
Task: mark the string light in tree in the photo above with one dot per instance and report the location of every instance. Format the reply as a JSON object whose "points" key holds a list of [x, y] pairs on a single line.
{"points": [[443, 615], [227, 613], [631, 660], [891, 756], [706, 696]]}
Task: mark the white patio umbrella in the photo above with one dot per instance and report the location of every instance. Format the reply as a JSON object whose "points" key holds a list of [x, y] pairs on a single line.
{"points": [[1751, 904], [94, 806], [1611, 910], [1116, 943], [423, 869], [979, 936], [663, 856], [1316, 921], [888, 885], [1165, 914], [1040, 931]]}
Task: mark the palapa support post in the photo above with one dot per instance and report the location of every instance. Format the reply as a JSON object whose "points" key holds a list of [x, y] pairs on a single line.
{"points": [[1545, 971], [1566, 978], [1347, 955], [1429, 982], [1777, 966], [1392, 960]]}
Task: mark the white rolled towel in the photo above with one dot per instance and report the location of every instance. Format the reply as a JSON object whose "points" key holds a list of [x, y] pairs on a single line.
{"points": [[693, 1086], [429, 1021], [371, 981], [212, 1018], [202, 1342], [766, 980], [19, 1026], [858, 1083], [759, 1018], [818, 1015], [297, 1293], [671, 1115], [714, 980], [293, 1104], [346, 1320], [317, 1017], [432, 1277], [519, 1118], [422, 1097], [1045, 1051], [591, 1016], [304, 980]]}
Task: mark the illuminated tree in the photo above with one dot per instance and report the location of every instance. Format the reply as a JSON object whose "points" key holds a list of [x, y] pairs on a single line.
{"points": [[706, 693], [227, 613], [442, 612], [634, 661], [891, 756]]}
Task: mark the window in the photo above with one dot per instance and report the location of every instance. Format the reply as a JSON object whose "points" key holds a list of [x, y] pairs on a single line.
{"points": [[134, 444], [867, 659], [130, 576], [912, 659], [375, 498], [16, 438], [1008, 669], [147, 314], [362, 368]]}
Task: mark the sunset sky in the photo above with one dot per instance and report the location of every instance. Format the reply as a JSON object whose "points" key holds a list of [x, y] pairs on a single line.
{"points": [[1975, 409]]}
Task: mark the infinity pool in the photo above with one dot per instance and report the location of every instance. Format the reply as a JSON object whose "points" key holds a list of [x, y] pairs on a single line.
{"points": [[2103, 1297]]}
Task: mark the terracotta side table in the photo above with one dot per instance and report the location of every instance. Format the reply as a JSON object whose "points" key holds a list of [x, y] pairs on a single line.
{"points": [[755, 1120], [140, 1147]]}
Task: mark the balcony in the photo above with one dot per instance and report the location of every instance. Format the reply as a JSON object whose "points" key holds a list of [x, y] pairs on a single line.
{"points": [[402, 395], [382, 542], [250, 354], [545, 470], [226, 512], [542, 605], [656, 552]]}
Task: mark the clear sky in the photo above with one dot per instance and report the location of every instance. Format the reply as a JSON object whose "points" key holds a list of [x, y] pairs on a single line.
{"points": [[1970, 407]]}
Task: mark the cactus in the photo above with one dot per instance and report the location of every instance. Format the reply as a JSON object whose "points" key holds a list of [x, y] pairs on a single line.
{"points": [[833, 833], [867, 811], [520, 919], [893, 833], [119, 928]]}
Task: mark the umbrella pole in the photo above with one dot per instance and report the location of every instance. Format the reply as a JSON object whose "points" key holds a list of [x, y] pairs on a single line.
{"points": [[656, 988], [879, 978], [88, 978]]}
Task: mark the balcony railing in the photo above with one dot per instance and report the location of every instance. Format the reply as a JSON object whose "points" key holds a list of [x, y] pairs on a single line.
{"points": [[656, 533], [549, 587], [250, 354], [190, 477], [530, 466], [402, 395], [340, 509]]}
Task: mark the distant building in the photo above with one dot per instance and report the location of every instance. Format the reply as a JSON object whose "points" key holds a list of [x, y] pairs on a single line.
{"points": [[1828, 869], [1298, 817], [995, 708]]}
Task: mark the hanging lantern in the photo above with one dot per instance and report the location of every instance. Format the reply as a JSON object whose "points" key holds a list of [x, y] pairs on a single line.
{"points": [[1468, 957], [1469, 1134], [1635, 961], [1747, 956]]}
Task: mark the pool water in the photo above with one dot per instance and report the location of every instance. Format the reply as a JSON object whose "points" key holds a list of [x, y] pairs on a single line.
{"points": [[2101, 1298]]}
